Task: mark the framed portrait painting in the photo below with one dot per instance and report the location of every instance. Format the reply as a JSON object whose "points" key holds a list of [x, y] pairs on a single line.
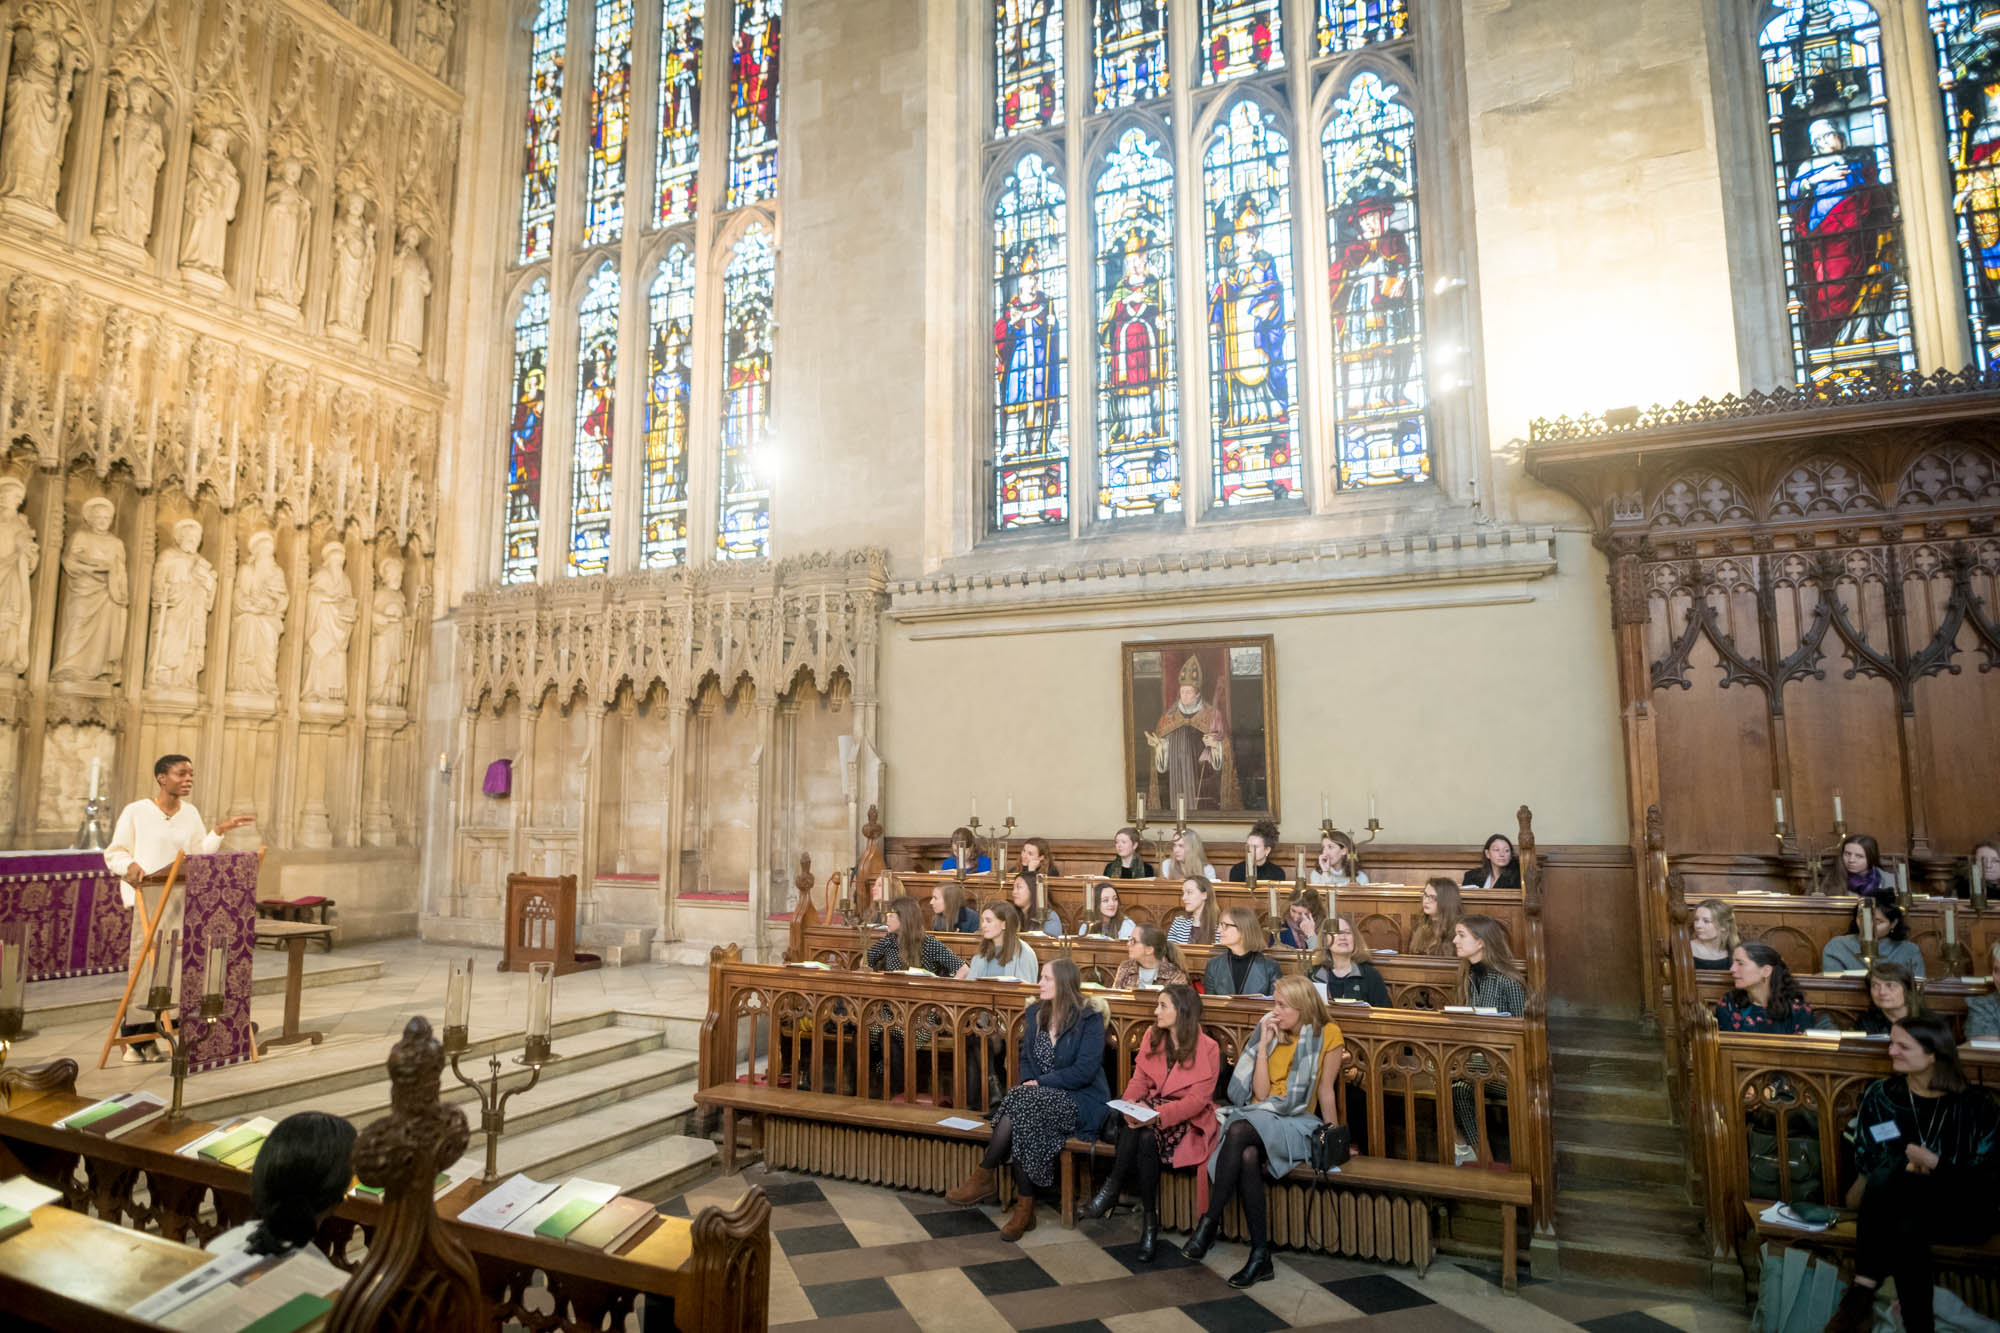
{"points": [[1201, 729]]}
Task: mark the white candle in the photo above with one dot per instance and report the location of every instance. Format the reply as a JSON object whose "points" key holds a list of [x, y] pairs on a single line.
{"points": [[1838, 816], [1978, 876], [1180, 807], [1951, 923], [1325, 807], [96, 767], [1139, 804], [211, 975], [975, 807], [1903, 878], [1271, 888], [163, 961], [1867, 917], [1302, 867], [541, 998], [1010, 805], [1778, 804], [1371, 805], [458, 995], [443, 767]]}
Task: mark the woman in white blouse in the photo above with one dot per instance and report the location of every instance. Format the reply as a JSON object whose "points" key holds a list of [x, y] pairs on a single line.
{"points": [[1338, 865], [1107, 915]]}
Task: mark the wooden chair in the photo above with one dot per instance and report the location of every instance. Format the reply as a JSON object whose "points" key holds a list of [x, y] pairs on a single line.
{"points": [[541, 925]]}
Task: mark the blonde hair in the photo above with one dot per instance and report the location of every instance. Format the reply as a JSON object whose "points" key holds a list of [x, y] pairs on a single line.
{"points": [[1300, 994], [1725, 920], [1250, 928], [1196, 865]]}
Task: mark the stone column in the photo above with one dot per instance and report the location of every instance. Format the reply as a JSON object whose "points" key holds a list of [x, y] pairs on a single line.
{"points": [[763, 772]]}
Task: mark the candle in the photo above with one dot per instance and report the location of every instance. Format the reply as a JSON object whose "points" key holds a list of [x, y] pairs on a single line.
{"points": [[1951, 923], [1778, 804], [96, 767], [541, 997], [975, 808], [1000, 866], [1839, 817], [1978, 876], [1271, 888], [10, 975], [1325, 808], [1139, 804], [443, 767], [211, 972], [1371, 807], [1867, 917], [1903, 878], [163, 961], [1180, 807], [1010, 805], [1302, 867], [458, 995]]}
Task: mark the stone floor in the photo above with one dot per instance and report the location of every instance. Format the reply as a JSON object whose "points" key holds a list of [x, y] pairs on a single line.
{"points": [[848, 1256]]}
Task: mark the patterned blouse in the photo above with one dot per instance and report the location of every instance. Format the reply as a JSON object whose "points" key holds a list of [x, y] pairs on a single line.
{"points": [[1752, 1017], [938, 959]]}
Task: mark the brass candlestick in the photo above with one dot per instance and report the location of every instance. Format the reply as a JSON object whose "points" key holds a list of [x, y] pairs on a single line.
{"points": [[160, 999], [492, 1098], [1005, 833]]}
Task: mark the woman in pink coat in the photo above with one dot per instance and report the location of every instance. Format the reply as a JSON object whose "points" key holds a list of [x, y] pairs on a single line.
{"points": [[1175, 1075]]}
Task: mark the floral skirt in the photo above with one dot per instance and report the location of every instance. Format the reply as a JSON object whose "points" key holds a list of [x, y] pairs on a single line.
{"points": [[1044, 1119]]}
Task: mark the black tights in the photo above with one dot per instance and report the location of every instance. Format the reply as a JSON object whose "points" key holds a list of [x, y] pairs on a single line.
{"points": [[1139, 1150], [998, 1149], [1903, 1214], [1239, 1172]]}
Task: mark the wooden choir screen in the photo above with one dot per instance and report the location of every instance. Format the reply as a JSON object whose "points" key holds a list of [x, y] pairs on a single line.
{"points": [[541, 925]]}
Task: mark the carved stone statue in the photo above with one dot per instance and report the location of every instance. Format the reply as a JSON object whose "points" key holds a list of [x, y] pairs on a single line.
{"points": [[183, 595], [330, 616], [281, 269], [36, 120], [410, 296], [95, 595], [213, 189], [388, 635], [431, 35], [261, 601], [353, 267], [20, 553], [374, 16], [129, 171]]}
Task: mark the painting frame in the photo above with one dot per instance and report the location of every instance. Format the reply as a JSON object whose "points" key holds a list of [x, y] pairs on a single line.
{"points": [[1236, 783]]}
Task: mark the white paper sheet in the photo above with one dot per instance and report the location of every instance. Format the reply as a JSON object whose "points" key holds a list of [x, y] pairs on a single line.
{"points": [[505, 1202], [25, 1194], [562, 1197], [222, 1269], [1142, 1114], [960, 1122], [302, 1273]]}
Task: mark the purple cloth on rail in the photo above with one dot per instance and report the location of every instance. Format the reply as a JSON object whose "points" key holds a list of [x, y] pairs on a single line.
{"points": [[65, 905], [499, 778], [221, 909]]}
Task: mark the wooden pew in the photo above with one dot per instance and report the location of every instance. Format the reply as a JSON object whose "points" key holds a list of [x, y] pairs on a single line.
{"points": [[1798, 927], [698, 1265], [1414, 982], [1384, 863], [1843, 1000], [811, 1025]]}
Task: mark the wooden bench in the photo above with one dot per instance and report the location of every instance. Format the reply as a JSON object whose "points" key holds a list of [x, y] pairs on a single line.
{"points": [[1799, 927], [1844, 1000], [297, 909]]}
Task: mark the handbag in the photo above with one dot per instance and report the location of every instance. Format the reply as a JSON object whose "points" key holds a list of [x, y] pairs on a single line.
{"points": [[1331, 1146]]}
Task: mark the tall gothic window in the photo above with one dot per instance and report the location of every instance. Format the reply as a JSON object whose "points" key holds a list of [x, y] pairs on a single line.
{"points": [[596, 400], [610, 109], [663, 503], [1252, 348], [540, 149], [753, 111], [1129, 55], [1839, 226], [1028, 63], [1368, 150], [1349, 25], [680, 110], [1030, 285], [520, 558], [1138, 425], [1240, 37], [745, 529], [1968, 63]]}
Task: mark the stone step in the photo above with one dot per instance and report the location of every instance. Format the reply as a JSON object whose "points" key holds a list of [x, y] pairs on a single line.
{"points": [[1639, 1073], [661, 1169], [575, 1147], [53, 1004], [1611, 1099], [1616, 1164], [1625, 1264], [1599, 1215], [1619, 1134], [1609, 1036]]}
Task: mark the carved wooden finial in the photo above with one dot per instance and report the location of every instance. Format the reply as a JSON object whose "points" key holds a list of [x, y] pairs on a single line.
{"points": [[415, 1276], [1526, 817], [871, 828], [1656, 828], [804, 881]]}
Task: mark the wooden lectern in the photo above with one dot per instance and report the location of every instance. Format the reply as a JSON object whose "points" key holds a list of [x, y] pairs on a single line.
{"points": [[541, 925]]}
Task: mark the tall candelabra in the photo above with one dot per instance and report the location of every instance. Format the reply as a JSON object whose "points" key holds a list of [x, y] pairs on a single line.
{"points": [[535, 1051]]}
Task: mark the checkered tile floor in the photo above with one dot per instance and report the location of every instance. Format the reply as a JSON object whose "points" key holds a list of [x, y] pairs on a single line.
{"points": [[857, 1257]]}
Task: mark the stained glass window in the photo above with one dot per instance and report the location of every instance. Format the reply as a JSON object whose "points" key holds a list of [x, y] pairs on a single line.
{"points": [[1368, 150], [680, 109], [1240, 37], [596, 396], [744, 530], [610, 110], [1138, 456], [520, 538], [1838, 222], [1130, 53], [1252, 349], [753, 98], [1969, 74], [1027, 63], [663, 500], [1349, 25], [1030, 266], [544, 122]]}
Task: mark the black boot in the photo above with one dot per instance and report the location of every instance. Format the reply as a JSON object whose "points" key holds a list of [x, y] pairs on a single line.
{"points": [[1149, 1229], [1105, 1199], [1257, 1268], [1203, 1237]]}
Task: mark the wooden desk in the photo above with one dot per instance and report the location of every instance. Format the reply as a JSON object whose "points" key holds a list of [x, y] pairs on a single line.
{"points": [[293, 935], [71, 1271]]}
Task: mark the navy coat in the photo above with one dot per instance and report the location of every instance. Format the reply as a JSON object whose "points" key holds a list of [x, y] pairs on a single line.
{"points": [[1078, 1068]]}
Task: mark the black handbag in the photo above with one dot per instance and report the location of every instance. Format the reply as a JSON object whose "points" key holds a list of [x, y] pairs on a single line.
{"points": [[1332, 1145]]}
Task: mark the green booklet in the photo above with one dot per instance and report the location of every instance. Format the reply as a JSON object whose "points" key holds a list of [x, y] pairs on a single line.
{"points": [[90, 1115], [567, 1218], [229, 1144], [295, 1313], [13, 1220]]}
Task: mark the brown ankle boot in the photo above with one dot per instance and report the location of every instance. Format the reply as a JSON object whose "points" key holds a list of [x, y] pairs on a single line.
{"points": [[976, 1188], [1021, 1220]]}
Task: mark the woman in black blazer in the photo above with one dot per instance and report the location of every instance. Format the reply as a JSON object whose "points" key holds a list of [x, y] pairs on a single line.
{"points": [[1498, 868]]}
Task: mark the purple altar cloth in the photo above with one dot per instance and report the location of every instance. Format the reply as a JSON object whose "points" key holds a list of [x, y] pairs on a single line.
{"points": [[67, 907], [222, 908]]}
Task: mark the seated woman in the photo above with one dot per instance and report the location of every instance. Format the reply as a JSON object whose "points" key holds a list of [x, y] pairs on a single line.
{"points": [[1150, 960], [1926, 1161], [1714, 932], [1986, 855], [1766, 998], [1497, 868], [1338, 864], [950, 911], [965, 852], [1290, 1067], [1062, 1092], [1035, 856], [1257, 850], [1174, 1074], [1127, 863], [906, 947], [1107, 915], [1026, 895], [1239, 966], [1982, 1012], [1892, 997], [1300, 929], [1342, 970], [1493, 980], [1001, 951], [1200, 913], [1188, 859], [1892, 940], [886, 888], [301, 1175], [1442, 910], [1861, 862]]}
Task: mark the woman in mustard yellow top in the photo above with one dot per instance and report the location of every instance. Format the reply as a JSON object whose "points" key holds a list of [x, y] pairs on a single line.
{"points": [[1292, 1067]]}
